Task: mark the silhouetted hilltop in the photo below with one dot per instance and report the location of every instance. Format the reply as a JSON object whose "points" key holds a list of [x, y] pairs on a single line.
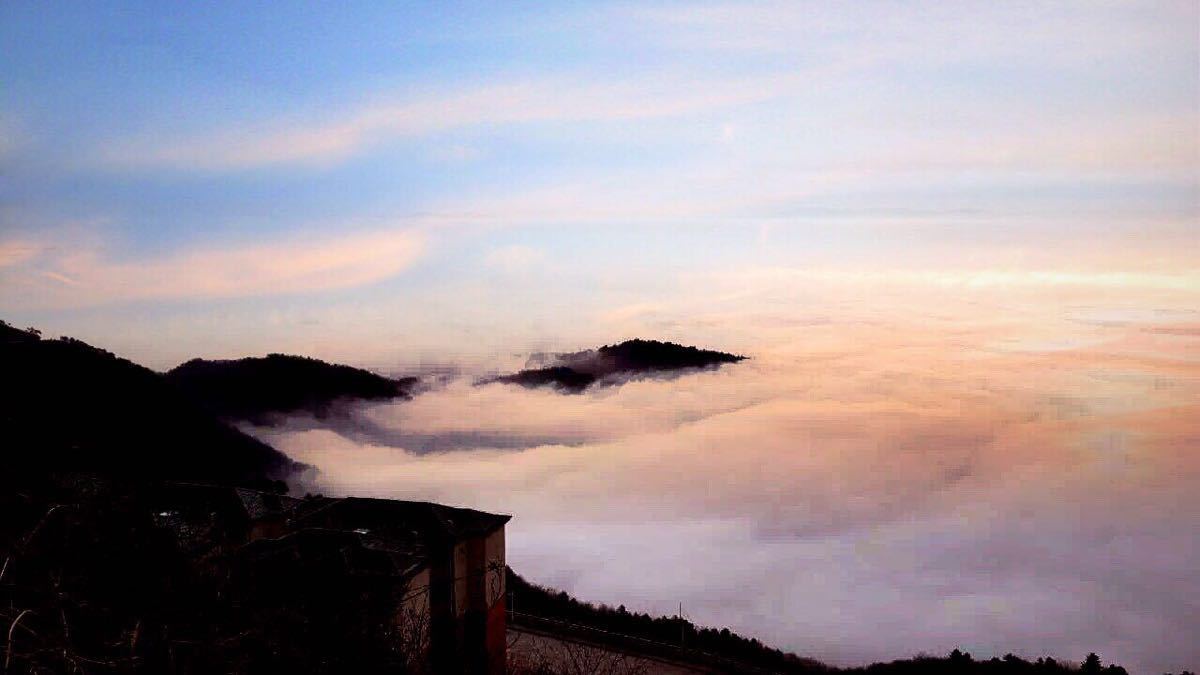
{"points": [[557, 376], [253, 388], [646, 356], [66, 406], [613, 364]]}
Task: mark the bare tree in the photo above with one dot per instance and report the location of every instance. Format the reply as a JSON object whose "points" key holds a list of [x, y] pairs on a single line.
{"points": [[411, 634]]}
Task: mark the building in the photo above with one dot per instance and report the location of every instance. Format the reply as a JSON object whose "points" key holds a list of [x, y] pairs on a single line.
{"points": [[363, 602], [434, 575], [464, 550]]}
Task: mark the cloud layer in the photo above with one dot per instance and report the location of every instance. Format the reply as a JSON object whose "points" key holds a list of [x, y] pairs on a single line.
{"points": [[868, 486]]}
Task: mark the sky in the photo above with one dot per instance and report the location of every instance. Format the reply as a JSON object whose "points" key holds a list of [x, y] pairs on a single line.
{"points": [[957, 240]]}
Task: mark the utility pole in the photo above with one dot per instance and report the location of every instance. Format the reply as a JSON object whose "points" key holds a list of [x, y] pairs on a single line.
{"points": [[681, 624]]}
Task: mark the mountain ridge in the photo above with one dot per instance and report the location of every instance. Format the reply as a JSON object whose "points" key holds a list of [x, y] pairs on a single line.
{"points": [[69, 406], [615, 364], [259, 389]]}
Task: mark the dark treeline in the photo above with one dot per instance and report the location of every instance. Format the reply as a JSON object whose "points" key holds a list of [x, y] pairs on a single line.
{"points": [[92, 582], [648, 355], [545, 602], [254, 388], [68, 406], [560, 377], [960, 662], [612, 364], [541, 601]]}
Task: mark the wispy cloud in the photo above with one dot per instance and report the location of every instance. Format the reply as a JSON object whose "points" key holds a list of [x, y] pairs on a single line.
{"points": [[1136, 281], [61, 276], [524, 100], [1074, 32], [16, 252]]}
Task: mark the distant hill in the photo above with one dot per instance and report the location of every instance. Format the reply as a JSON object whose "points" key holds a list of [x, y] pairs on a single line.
{"points": [[256, 388], [66, 406], [614, 364]]}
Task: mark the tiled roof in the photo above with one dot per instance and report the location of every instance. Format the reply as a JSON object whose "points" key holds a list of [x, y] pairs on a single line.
{"points": [[193, 510], [424, 519]]}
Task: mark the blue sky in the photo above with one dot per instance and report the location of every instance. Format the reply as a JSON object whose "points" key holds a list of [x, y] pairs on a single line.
{"points": [[141, 143]]}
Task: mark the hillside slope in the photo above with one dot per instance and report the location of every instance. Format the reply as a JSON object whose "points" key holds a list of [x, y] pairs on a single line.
{"points": [[69, 407], [555, 613], [255, 388]]}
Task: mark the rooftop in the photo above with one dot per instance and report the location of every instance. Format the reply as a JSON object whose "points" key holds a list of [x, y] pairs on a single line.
{"points": [[386, 517]]}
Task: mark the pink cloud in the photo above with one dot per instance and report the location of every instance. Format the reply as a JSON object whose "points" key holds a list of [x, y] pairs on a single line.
{"points": [[63, 277], [886, 466]]}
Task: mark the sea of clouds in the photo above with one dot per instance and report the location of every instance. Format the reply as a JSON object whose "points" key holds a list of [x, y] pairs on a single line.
{"points": [[974, 469]]}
